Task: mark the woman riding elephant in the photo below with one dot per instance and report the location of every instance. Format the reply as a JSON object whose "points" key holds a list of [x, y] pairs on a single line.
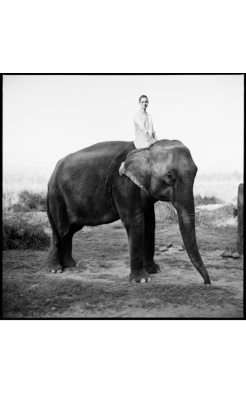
{"points": [[145, 135]]}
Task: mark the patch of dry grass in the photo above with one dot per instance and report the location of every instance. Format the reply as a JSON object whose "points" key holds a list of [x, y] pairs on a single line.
{"points": [[210, 218], [16, 182], [18, 234], [166, 213], [37, 296], [30, 292]]}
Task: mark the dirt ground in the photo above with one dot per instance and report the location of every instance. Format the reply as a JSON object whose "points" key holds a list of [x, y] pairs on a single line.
{"points": [[99, 286]]}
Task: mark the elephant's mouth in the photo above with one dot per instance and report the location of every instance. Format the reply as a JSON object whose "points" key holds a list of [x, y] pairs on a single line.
{"points": [[166, 199], [166, 196]]}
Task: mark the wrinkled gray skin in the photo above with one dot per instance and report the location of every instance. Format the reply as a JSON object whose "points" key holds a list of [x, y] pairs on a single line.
{"points": [[86, 189]]}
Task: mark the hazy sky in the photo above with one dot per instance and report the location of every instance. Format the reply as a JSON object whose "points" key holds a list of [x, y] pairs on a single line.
{"points": [[47, 117]]}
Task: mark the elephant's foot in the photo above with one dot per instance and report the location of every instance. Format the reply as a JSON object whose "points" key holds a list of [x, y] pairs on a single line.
{"points": [[68, 261], [139, 276], [53, 260], [151, 267], [54, 267]]}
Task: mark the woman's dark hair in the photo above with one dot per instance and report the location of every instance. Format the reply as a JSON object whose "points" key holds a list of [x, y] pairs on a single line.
{"points": [[142, 97]]}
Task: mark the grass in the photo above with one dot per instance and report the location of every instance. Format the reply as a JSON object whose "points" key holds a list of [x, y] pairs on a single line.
{"points": [[217, 238], [39, 296], [32, 200], [30, 292], [18, 234], [166, 213], [208, 239], [14, 183], [208, 218], [200, 201], [25, 201]]}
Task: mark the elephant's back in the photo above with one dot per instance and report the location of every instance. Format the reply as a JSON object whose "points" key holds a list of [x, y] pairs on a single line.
{"points": [[106, 147], [101, 157], [99, 154]]}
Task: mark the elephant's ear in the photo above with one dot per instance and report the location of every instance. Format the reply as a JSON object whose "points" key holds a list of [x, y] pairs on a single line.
{"points": [[137, 168]]}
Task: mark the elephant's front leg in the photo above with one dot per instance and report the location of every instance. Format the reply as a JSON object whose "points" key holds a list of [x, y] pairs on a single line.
{"points": [[135, 229], [149, 241]]}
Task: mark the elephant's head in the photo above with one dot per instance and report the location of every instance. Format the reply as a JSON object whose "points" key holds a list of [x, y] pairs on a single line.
{"points": [[166, 172]]}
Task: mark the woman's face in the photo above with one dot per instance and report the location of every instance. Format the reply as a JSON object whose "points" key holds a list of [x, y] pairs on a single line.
{"points": [[144, 103]]}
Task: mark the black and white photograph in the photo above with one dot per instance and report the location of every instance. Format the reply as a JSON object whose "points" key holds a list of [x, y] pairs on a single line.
{"points": [[123, 196]]}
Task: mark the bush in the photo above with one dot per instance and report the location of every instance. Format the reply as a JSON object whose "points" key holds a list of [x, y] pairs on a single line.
{"points": [[166, 213], [19, 234], [18, 208], [200, 201], [208, 218], [30, 201]]}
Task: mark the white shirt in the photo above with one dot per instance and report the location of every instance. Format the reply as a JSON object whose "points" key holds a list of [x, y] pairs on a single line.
{"points": [[144, 130]]}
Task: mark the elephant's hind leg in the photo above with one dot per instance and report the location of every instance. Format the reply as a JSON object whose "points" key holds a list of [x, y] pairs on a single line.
{"points": [[66, 251], [60, 254], [54, 264]]}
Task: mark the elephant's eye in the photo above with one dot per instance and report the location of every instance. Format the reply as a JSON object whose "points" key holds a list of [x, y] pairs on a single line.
{"points": [[170, 179]]}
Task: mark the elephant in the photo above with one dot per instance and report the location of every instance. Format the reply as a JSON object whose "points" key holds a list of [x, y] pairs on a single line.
{"points": [[86, 189]]}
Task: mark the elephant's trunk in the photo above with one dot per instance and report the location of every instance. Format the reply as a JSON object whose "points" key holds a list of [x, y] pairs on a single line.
{"points": [[186, 215]]}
